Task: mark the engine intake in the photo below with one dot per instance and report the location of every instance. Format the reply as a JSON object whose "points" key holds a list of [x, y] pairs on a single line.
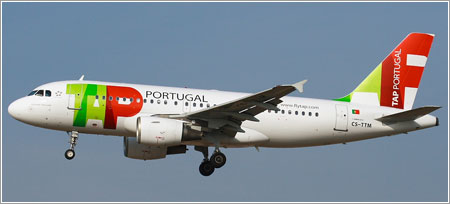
{"points": [[155, 131]]}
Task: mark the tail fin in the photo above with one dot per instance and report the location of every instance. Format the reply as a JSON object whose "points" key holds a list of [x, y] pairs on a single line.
{"points": [[394, 82]]}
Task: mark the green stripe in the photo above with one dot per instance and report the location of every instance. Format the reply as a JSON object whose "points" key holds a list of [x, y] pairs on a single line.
{"points": [[371, 84], [85, 98]]}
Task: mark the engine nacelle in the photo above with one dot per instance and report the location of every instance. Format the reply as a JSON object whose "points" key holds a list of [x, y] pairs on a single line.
{"points": [[134, 150], [156, 131]]}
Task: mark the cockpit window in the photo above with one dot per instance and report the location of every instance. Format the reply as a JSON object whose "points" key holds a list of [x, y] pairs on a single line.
{"points": [[48, 93], [40, 93], [32, 93]]}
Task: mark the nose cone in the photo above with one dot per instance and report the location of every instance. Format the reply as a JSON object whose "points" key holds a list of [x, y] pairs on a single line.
{"points": [[16, 109]]}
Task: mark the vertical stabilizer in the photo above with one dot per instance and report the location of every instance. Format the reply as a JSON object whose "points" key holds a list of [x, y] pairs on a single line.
{"points": [[394, 82]]}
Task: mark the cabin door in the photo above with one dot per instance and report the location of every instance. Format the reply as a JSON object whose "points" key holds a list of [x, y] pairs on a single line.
{"points": [[341, 118]]}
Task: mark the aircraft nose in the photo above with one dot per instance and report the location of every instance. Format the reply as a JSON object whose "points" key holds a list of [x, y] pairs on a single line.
{"points": [[15, 109]]}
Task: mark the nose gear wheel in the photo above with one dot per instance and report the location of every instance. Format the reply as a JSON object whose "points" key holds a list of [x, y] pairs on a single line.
{"points": [[73, 137]]}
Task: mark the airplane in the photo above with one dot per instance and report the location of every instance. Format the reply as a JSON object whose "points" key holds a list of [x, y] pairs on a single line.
{"points": [[156, 121]]}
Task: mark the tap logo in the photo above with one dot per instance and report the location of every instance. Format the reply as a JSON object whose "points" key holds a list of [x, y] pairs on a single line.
{"points": [[395, 81], [102, 102]]}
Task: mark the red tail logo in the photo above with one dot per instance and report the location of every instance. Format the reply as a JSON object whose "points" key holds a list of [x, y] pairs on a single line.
{"points": [[402, 70]]}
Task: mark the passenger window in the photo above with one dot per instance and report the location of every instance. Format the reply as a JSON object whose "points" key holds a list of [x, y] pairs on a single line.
{"points": [[138, 100], [32, 93], [104, 97], [186, 104], [268, 111], [151, 100], [131, 100], [48, 93], [282, 111], [194, 104], [96, 96], [317, 114], [145, 100], [165, 102], [201, 105], [207, 105], [309, 113], [110, 98], [158, 101], [40, 93], [303, 112], [296, 112], [124, 99], [175, 102], [289, 112], [117, 98]]}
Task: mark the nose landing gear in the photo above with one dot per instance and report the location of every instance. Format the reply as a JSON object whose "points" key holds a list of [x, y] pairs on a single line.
{"points": [[208, 166], [70, 153]]}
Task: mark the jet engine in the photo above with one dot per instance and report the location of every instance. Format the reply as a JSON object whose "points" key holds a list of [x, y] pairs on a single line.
{"points": [[156, 131]]}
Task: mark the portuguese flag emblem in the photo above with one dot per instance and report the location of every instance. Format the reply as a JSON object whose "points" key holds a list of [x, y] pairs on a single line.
{"points": [[355, 111]]}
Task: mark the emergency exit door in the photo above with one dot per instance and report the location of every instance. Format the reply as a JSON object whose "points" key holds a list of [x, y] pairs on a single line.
{"points": [[341, 118]]}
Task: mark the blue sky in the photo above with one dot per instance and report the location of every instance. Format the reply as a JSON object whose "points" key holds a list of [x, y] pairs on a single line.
{"points": [[245, 47]]}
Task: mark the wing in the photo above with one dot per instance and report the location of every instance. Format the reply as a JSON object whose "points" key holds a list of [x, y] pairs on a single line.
{"points": [[228, 117]]}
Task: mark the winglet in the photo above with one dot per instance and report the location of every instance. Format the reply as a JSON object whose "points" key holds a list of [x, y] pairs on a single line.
{"points": [[81, 78], [299, 85]]}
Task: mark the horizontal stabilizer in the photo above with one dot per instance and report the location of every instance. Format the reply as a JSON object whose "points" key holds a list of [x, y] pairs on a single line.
{"points": [[408, 115]]}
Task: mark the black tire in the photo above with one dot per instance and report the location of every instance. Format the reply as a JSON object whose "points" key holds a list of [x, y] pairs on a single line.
{"points": [[70, 154], [206, 168], [218, 159]]}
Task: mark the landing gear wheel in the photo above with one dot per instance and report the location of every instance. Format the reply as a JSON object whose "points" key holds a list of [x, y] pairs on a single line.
{"points": [[218, 159], [70, 154], [73, 137], [206, 168]]}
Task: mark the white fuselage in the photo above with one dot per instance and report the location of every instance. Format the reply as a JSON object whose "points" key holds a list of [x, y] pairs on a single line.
{"points": [[301, 122]]}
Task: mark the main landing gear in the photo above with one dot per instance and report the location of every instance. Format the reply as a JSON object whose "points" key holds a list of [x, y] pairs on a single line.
{"points": [[70, 153], [216, 161]]}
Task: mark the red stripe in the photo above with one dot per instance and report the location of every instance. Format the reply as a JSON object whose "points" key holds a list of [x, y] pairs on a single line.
{"points": [[417, 44], [413, 77], [387, 82]]}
